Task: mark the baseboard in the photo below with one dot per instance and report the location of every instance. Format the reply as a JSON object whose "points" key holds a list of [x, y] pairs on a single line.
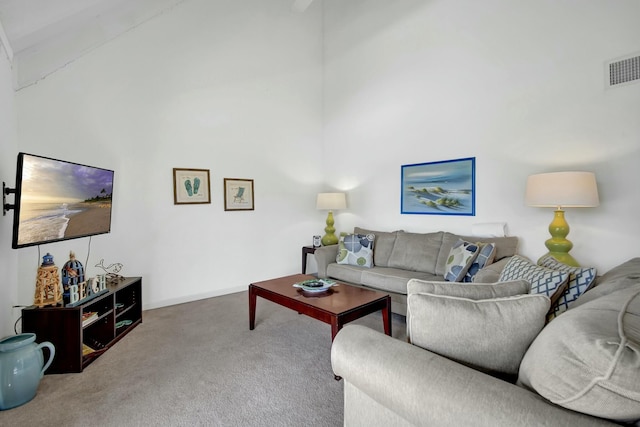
{"points": [[190, 298]]}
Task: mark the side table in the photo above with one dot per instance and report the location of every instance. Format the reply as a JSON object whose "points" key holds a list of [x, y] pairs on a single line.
{"points": [[306, 250]]}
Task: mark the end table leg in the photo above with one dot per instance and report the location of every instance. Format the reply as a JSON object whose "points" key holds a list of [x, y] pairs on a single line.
{"points": [[252, 308], [304, 262], [386, 317]]}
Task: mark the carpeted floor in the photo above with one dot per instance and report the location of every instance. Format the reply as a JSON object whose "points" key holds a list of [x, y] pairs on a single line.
{"points": [[199, 364]]}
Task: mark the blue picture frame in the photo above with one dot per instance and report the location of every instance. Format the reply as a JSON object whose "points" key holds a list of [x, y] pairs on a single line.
{"points": [[446, 187]]}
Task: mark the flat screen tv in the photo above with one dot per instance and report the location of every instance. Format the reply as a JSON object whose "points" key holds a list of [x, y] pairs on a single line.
{"points": [[58, 200]]}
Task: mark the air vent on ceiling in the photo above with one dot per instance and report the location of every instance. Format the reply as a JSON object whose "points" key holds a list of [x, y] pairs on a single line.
{"points": [[625, 70]]}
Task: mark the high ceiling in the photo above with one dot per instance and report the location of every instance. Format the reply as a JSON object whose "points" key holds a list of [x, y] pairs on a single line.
{"points": [[44, 35]]}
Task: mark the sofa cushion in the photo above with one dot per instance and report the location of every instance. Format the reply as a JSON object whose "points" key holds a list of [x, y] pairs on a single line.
{"points": [[485, 257], [543, 280], [416, 252], [356, 249], [347, 273], [490, 335], [383, 243], [580, 280], [392, 279], [588, 359], [461, 256], [470, 291], [621, 277], [491, 273]]}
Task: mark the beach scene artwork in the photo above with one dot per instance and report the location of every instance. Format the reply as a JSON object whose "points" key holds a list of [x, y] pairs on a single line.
{"points": [[439, 188], [63, 200]]}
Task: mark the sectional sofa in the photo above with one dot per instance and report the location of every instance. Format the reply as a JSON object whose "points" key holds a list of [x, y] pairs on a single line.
{"points": [[400, 256], [582, 368]]}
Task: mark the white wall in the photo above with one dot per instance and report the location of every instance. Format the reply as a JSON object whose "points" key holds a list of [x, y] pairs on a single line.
{"points": [[518, 85], [8, 148], [239, 88], [234, 87]]}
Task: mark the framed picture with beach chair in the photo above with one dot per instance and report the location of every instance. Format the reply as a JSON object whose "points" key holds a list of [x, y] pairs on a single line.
{"points": [[191, 186], [238, 194]]}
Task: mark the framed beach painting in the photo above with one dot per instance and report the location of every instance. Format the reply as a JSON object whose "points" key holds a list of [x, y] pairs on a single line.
{"points": [[238, 194], [439, 188], [191, 186]]}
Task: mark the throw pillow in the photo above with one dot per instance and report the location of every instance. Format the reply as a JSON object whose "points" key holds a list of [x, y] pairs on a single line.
{"points": [[490, 335], [485, 257], [461, 256], [356, 249], [545, 281], [580, 280], [587, 359]]}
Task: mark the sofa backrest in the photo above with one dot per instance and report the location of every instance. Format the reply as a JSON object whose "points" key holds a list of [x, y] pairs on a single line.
{"points": [[426, 252], [416, 251], [382, 246]]}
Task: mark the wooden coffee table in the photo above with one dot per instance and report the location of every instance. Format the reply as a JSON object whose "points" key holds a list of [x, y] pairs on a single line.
{"points": [[341, 304]]}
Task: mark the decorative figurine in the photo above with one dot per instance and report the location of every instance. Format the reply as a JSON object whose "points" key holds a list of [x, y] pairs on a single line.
{"points": [[72, 275], [48, 290], [111, 270]]}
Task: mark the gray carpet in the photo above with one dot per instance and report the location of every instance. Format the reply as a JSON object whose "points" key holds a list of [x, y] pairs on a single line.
{"points": [[199, 364]]}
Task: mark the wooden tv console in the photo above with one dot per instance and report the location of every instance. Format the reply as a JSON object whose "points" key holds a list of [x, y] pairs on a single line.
{"points": [[118, 312]]}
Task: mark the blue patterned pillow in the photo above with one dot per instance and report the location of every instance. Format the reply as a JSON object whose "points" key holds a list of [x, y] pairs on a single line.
{"points": [[545, 281], [460, 258], [485, 257], [356, 249], [580, 280]]}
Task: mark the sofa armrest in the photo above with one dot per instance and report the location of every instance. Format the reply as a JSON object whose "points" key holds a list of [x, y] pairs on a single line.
{"points": [[325, 255], [426, 389], [491, 273]]}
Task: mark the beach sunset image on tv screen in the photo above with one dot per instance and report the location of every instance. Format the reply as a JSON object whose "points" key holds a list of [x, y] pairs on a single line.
{"points": [[60, 200]]}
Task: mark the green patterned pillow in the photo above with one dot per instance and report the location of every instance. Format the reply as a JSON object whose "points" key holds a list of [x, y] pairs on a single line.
{"points": [[460, 258], [356, 249]]}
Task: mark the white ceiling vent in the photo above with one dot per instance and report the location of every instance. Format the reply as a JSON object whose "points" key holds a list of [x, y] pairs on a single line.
{"points": [[623, 71]]}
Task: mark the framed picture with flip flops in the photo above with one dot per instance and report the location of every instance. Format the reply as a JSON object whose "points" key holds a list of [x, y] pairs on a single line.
{"points": [[191, 186]]}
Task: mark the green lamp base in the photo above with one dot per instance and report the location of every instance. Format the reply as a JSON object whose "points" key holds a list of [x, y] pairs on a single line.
{"points": [[564, 258], [330, 237], [558, 245]]}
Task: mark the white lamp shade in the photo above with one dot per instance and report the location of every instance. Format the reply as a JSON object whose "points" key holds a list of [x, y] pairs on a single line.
{"points": [[562, 189], [331, 201]]}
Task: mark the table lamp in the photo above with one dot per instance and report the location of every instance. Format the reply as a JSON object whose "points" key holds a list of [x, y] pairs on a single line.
{"points": [[330, 201], [561, 190]]}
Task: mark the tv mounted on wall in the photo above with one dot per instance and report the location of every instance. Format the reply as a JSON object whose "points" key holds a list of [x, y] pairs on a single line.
{"points": [[59, 200]]}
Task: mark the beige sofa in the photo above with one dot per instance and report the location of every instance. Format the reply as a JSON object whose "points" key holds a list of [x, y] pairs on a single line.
{"points": [[401, 256], [581, 369]]}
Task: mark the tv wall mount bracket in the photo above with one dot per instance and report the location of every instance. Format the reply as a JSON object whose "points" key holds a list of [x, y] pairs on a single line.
{"points": [[6, 207]]}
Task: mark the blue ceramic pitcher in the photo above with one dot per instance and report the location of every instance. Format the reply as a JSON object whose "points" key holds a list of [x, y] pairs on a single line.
{"points": [[21, 368]]}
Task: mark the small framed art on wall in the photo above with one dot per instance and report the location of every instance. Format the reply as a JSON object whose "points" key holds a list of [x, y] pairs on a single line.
{"points": [[238, 194], [191, 186]]}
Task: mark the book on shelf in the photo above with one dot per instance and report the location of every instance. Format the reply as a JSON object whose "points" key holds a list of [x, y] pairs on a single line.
{"points": [[87, 350], [89, 317]]}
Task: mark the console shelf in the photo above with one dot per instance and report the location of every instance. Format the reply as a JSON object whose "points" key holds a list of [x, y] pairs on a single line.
{"points": [[119, 311]]}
